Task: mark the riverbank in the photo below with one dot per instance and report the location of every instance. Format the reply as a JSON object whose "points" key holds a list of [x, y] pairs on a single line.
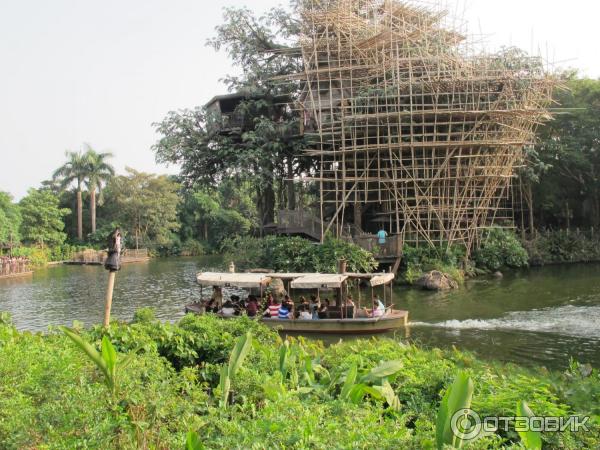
{"points": [[58, 398]]}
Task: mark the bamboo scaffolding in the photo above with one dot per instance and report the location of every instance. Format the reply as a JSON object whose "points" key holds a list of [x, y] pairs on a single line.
{"points": [[410, 123]]}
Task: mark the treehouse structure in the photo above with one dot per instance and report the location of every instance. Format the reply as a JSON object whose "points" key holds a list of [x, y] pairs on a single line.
{"points": [[413, 130]]}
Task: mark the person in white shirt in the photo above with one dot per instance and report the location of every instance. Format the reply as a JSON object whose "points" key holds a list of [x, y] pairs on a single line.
{"points": [[227, 310]]}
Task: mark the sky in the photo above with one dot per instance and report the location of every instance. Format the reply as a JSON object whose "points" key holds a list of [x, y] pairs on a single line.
{"points": [[83, 71]]}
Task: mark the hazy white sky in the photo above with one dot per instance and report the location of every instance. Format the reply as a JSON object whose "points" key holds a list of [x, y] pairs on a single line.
{"points": [[74, 71]]}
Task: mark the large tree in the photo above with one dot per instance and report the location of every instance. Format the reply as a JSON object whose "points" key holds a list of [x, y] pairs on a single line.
{"points": [[99, 172], [10, 221], [266, 151], [42, 218], [144, 206], [75, 170], [568, 192]]}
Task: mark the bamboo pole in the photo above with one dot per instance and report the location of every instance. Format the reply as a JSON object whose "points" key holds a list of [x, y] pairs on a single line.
{"points": [[108, 298]]}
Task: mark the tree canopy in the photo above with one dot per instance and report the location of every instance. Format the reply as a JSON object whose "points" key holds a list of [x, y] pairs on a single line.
{"points": [[267, 150], [10, 221], [42, 218], [144, 206]]}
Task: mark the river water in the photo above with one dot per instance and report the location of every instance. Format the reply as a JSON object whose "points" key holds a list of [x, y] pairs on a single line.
{"points": [[540, 316]]}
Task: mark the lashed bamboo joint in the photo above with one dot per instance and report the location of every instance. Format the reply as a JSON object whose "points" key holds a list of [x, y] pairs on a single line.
{"points": [[412, 129]]}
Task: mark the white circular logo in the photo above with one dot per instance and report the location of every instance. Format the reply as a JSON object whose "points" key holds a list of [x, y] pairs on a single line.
{"points": [[465, 424]]}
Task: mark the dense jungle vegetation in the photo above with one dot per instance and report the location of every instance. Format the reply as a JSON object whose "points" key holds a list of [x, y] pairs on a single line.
{"points": [[165, 380]]}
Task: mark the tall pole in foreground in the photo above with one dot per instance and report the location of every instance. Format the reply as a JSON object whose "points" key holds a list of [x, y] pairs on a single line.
{"points": [[112, 264], [108, 298]]}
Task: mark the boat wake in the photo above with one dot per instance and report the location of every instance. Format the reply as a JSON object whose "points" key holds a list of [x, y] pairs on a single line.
{"points": [[569, 320]]}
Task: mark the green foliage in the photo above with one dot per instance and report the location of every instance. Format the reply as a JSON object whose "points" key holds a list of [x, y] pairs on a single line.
{"points": [[295, 254], [568, 192], [354, 394], [42, 222], [457, 397], [500, 248], [10, 221], [560, 246], [144, 206], [446, 258], [228, 371], [532, 440], [145, 315]]}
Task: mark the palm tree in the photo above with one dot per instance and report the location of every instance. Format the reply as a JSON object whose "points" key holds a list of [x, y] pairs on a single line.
{"points": [[97, 175], [74, 170]]}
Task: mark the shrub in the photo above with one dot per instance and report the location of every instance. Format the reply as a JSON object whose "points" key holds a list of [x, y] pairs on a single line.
{"points": [[54, 397], [500, 248], [295, 254]]}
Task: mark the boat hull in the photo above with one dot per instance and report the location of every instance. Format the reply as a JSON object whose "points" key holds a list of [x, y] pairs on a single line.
{"points": [[391, 321]]}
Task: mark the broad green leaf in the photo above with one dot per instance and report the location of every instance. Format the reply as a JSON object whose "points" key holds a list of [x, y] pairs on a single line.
{"points": [[532, 440], [224, 385], [88, 349], [192, 441], [109, 355], [390, 396], [239, 353], [284, 352], [385, 369], [457, 397], [349, 383]]}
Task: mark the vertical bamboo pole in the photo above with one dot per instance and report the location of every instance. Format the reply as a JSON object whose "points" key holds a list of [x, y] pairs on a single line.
{"points": [[108, 298]]}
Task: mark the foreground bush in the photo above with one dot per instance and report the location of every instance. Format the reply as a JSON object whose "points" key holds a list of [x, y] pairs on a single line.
{"points": [[283, 396]]}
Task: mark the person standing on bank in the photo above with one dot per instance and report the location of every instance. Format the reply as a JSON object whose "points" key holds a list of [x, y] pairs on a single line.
{"points": [[381, 235]]}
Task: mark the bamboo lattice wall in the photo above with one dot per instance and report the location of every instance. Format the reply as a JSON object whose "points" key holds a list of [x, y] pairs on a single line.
{"points": [[413, 129]]}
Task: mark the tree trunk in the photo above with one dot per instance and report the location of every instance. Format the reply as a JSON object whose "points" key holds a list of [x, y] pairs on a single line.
{"points": [[530, 208], [291, 190], [357, 216], [266, 204], [93, 209], [79, 216]]}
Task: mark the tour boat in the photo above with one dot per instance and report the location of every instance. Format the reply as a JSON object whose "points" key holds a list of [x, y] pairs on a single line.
{"points": [[334, 322]]}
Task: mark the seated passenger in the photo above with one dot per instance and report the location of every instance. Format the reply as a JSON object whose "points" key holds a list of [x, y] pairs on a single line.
{"points": [[252, 306], [305, 313], [379, 309], [322, 312], [211, 306], [227, 310], [284, 311], [272, 310]]}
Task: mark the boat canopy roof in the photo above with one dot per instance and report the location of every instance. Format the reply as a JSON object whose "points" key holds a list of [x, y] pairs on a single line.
{"points": [[381, 278], [298, 280], [319, 280], [242, 280]]}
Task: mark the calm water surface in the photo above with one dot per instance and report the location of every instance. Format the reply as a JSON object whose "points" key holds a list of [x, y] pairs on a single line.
{"points": [[539, 316]]}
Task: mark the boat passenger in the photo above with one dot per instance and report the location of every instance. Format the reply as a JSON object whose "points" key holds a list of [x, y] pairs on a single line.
{"points": [[272, 310], [348, 309], [252, 306], [211, 306], [379, 309], [285, 311], [227, 310], [315, 302], [305, 313], [322, 312], [289, 303]]}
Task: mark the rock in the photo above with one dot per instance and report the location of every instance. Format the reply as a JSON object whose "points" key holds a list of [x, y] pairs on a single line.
{"points": [[498, 274], [277, 287], [436, 281]]}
